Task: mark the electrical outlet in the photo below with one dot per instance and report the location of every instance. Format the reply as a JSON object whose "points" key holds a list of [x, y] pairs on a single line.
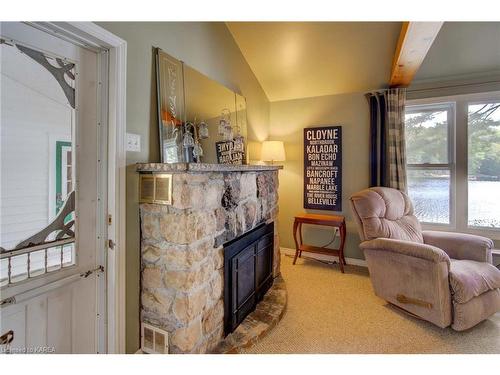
{"points": [[133, 142]]}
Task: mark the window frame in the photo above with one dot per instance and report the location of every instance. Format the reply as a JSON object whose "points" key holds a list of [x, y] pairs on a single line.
{"points": [[459, 181], [450, 108]]}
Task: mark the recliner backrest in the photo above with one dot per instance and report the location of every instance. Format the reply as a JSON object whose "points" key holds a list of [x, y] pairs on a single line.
{"points": [[383, 212]]}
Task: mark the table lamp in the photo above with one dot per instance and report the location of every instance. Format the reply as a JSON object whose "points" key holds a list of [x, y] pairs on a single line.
{"points": [[273, 151]]}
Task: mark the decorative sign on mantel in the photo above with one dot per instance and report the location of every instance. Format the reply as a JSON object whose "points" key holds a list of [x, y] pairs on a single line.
{"points": [[230, 152], [323, 168]]}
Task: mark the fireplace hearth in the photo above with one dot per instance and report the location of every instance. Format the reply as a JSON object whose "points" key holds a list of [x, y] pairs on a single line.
{"points": [[248, 273]]}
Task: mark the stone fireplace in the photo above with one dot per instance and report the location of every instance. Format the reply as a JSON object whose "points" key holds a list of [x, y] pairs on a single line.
{"points": [[182, 246]]}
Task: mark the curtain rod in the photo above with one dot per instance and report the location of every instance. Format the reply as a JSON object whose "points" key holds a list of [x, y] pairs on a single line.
{"points": [[454, 86], [451, 86], [381, 91]]}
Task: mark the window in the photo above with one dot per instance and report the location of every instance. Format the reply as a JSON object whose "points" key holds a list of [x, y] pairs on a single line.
{"points": [[453, 161], [64, 173], [483, 127], [430, 161]]}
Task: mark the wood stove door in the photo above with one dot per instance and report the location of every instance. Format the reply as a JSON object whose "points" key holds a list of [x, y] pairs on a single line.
{"points": [[247, 273], [243, 298]]}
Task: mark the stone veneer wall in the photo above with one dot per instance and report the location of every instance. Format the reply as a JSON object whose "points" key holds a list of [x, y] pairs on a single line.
{"points": [[182, 251]]}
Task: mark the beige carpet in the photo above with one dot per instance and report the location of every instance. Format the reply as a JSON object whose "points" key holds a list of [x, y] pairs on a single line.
{"points": [[330, 312]]}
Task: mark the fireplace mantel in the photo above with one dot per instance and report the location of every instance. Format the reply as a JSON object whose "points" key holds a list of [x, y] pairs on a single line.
{"points": [[182, 245], [203, 167]]}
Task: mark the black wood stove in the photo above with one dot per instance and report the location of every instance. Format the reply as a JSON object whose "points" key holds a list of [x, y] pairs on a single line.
{"points": [[248, 273]]}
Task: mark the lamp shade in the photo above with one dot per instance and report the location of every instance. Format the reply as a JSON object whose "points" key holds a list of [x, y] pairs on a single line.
{"points": [[273, 151]]}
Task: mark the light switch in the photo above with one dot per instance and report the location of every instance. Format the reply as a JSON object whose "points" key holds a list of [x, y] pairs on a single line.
{"points": [[133, 142]]}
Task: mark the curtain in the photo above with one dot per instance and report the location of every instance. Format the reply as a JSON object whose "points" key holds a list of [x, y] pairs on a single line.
{"points": [[387, 138]]}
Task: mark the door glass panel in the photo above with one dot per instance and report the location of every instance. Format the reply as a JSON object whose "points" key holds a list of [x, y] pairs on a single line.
{"points": [[37, 263], [4, 272], [37, 160], [54, 258], [427, 136], [429, 190], [484, 165], [19, 267], [68, 256]]}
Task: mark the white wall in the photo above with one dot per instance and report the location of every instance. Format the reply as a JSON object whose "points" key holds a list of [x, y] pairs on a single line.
{"points": [[34, 114]]}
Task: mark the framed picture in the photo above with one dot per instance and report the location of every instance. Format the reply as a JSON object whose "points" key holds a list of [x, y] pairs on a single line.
{"points": [[323, 168], [230, 152]]}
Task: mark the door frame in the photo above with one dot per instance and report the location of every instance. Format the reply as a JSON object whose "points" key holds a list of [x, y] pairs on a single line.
{"points": [[113, 102]]}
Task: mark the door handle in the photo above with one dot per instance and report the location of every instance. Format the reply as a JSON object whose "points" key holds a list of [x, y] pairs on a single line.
{"points": [[7, 301], [7, 338], [90, 272]]}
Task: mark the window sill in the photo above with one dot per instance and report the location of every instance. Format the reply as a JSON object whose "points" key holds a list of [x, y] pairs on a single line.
{"points": [[494, 234]]}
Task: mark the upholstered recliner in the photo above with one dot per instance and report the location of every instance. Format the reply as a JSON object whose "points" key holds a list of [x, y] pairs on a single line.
{"points": [[445, 278]]}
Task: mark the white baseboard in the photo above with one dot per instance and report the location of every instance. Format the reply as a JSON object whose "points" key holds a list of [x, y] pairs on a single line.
{"points": [[352, 261]]}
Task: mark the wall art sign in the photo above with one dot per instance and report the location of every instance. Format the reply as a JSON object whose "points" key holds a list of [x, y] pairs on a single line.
{"points": [[230, 152], [323, 168]]}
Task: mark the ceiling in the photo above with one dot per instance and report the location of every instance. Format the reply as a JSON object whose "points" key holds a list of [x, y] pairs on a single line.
{"points": [[304, 59], [462, 49]]}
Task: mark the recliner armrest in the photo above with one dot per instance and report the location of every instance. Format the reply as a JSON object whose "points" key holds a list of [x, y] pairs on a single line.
{"points": [[461, 245], [413, 249]]}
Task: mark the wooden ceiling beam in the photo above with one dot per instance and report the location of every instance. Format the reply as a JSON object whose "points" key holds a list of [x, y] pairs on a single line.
{"points": [[414, 42]]}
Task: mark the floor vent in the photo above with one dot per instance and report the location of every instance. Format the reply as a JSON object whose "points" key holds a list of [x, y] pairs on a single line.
{"points": [[153, 339]]}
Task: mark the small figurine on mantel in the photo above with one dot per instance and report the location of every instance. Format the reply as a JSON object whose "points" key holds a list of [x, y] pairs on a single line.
{"points": [[193, 132]]}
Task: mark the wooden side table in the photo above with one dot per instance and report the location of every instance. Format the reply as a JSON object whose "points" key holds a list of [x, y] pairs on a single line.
{"points": [[325, 220]]}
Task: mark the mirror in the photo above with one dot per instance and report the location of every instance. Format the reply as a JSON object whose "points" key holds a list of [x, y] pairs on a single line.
{"points": [[241, 114], [200, 119], [169, 85]]}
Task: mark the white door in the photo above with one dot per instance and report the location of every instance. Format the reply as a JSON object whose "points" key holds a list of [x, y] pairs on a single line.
{"points": [[52, 191]]}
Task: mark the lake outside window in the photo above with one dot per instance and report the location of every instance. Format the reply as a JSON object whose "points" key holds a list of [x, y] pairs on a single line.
{"points": [[453, 161]]}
